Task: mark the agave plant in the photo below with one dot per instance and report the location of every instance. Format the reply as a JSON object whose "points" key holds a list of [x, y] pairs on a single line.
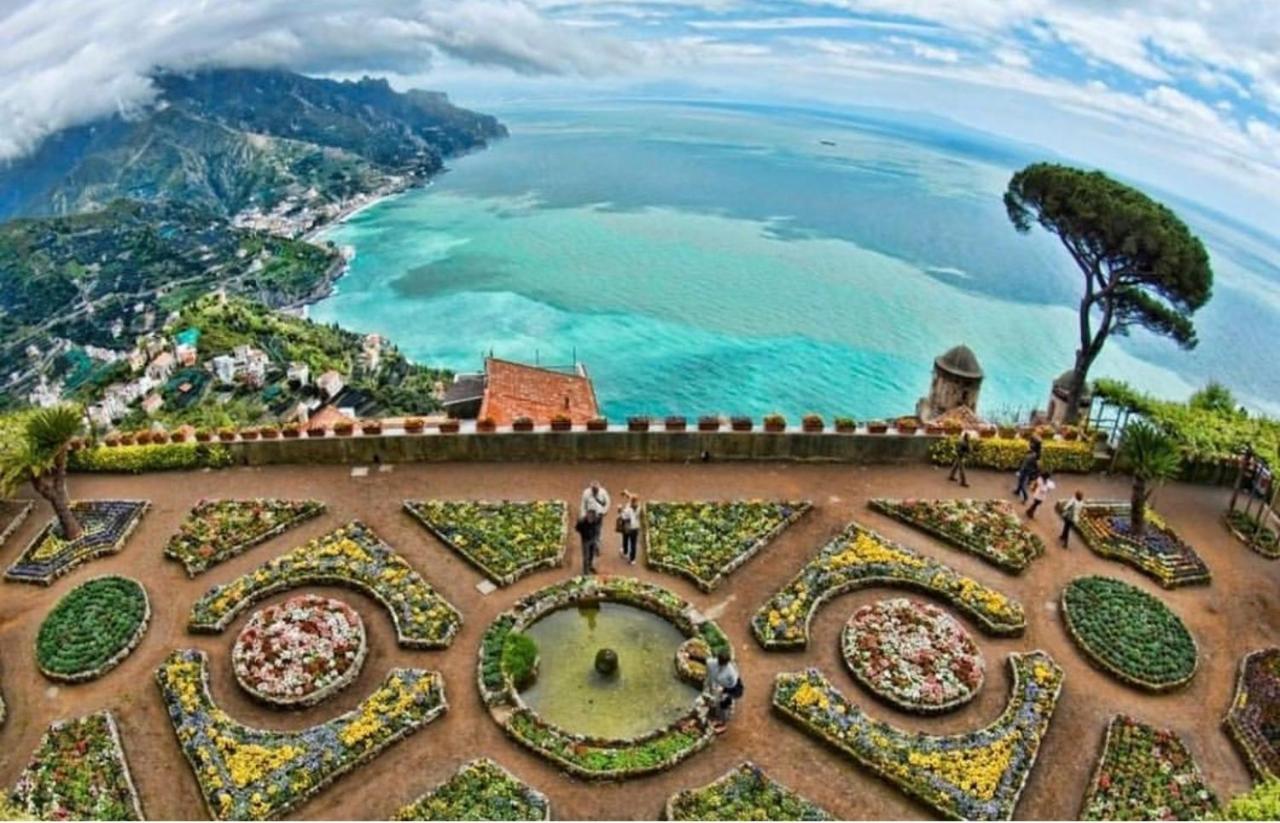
{"points": [[1151, 457]]}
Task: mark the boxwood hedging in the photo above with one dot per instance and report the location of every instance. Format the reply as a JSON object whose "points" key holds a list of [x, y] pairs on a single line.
{"points": [[1006, 454], [1129, 633], [92, 628], [138, 459]]}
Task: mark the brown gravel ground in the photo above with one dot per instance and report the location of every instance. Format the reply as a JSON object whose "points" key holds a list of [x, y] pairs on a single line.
{"points": [[1238, 613]]}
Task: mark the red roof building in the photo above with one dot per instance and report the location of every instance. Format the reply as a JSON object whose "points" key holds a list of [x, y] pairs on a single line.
{"points": [[514, 390]]}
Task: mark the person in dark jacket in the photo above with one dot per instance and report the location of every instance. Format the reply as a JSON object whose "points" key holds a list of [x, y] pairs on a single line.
{"points": [[964, 447], [589, 526], [1029, 469]]}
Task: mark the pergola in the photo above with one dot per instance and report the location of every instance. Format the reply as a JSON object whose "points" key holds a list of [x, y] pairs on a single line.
{"points": [[1255, 496]]}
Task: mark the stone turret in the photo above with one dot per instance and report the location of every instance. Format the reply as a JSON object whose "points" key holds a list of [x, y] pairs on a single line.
{"points": [[957, 381]]}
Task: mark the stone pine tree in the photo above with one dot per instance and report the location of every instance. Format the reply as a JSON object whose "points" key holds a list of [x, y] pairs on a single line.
{"points": [[1142, 266], [37, 454]]}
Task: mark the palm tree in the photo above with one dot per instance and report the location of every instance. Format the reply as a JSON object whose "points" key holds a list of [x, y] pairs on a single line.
{"points": [[39, 457], [1151, 457]]}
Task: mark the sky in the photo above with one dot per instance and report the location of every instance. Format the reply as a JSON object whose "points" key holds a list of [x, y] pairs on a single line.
{"points": [[1184, 94]]}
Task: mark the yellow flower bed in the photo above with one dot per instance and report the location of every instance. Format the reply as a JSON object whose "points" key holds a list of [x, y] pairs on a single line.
{"points": [[860, 557], [975, 775], [351, 556], [254, 774]]}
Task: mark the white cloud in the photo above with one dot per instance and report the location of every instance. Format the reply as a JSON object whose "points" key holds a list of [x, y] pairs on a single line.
{"points": [[64, 62]]}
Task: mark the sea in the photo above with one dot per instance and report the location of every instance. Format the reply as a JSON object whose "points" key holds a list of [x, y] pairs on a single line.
{"points": [[714, 258]]}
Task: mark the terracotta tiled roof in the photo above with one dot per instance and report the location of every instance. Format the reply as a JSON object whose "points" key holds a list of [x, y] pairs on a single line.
{"points": [[515, 390], [326, 418]]}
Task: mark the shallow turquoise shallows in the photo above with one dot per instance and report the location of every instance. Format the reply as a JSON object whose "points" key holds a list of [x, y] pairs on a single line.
{"points": [[743, 260], [642, 695]]}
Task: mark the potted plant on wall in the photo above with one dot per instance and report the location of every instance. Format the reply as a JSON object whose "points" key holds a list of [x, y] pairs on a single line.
{"points": [[449, 426], [987, 432], [226, 434], [269, 432], [344, 428], [486, 425], [292, 430], [637, 424], [561, 423], [250, 433], [740, 423], [877, 427], [846, 425], [775, 423], [676, 423], [316, 431], [709, 423], [522, 424], [598, 424], [415, 425], [811, 423], [371, 427], [907, 425]]}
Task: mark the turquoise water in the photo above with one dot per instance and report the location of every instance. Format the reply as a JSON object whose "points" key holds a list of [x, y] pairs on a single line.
{"points": [[706, 259]]}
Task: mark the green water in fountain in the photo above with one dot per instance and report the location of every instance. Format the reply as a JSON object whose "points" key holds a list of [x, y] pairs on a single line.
{"points": [[642, 695]]}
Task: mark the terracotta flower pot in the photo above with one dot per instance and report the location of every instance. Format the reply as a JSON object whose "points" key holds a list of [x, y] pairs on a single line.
{"points": [[270, 433], [597, 424], [486, 426], [292, 433], [414, 425], [775, 426], [637, 424], [317, 432], [741, 424], [676, 424], [449, 427], [812, 424], [226, 436], [877, 427], [708, 424], [846, 426], [249, 434], [561, 425], [371, 428]]}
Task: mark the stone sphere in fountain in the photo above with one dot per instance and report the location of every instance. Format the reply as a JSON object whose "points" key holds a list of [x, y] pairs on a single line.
{"points": [[607, 662]]}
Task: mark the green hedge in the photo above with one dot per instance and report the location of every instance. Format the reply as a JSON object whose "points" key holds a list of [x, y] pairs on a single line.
{"points": [[138, 459], [1260, 803], [1006, 454], [519, 657]]}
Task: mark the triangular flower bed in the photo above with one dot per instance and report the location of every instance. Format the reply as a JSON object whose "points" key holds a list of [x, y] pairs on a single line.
{"points": [[1253, 722], [351, 556], [990, 529], [107, 525], [976, 775], [1145, 773], [859, 558], [503, 539], [745, 793], [78, 772], [1160, 554], [707, 541], [256, 774], [218, 530], [480, 790]]}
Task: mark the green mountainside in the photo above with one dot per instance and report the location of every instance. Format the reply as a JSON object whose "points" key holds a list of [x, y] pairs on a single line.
{"points": [[229, 140]]}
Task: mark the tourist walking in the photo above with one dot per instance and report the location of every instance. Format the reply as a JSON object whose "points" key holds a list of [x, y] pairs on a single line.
{"points": [[1028, 469], [1040, 492], [595, 498], [1070, 512], [964, 447], [725, 686], [629, 525]]}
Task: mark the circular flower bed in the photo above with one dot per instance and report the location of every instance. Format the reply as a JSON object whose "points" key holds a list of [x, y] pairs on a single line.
{"points": [[913, 654], [299, 652], [92, 629], [1129, 633]]}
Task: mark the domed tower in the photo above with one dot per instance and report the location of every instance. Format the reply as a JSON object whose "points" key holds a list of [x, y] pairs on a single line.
{"points": [[957, 381], [1060, 399]]}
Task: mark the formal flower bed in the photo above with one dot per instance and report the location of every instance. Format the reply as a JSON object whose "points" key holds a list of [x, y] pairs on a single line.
{"points": [[1253, 722], [913, 654], [1145, 773], [976, 775], [745, 793], [351, 556], [581, 755], [707, 541], [505, 540], [107, 525], [78, 772], [1160, 554], [299, 652], [217, 530], [12, 515], [1006, 453], [256, 774], [92, 629], [991, 529], [480, 790], [1129, 633], [858, 558], [1248, 530]]}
